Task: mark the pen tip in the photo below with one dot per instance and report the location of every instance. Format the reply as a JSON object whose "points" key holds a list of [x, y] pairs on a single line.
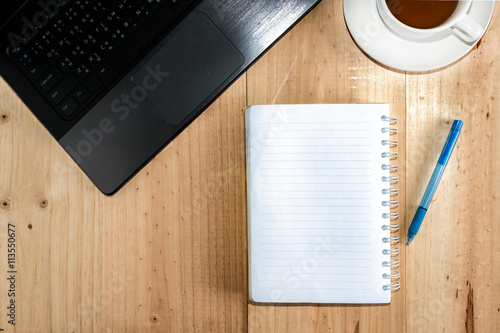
{"points": [[408, 239]]}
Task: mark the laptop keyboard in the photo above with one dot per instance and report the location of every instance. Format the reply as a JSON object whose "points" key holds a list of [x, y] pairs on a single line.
{"points": [[85, 44]]}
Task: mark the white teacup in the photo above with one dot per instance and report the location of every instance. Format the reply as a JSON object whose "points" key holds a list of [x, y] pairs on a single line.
{"points": [[459, 22]]}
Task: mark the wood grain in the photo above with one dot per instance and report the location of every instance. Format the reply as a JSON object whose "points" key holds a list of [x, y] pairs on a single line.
{"points": [[456, 247], [167, 253]]}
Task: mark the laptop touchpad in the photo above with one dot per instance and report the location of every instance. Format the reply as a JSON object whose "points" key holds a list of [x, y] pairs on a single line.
{"points": [[188, 69]]}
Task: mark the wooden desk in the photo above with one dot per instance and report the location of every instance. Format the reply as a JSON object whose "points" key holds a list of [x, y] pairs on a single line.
{"points": [[168, 252]]}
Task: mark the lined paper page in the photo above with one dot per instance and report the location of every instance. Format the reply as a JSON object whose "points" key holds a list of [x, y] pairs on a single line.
{"points": [[315, 203]]}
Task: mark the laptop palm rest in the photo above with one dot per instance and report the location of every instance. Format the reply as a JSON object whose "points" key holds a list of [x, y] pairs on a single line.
{"points": [[188, 69]]}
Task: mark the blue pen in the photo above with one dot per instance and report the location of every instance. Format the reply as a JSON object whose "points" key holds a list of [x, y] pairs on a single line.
{"points": [[434, 182]]}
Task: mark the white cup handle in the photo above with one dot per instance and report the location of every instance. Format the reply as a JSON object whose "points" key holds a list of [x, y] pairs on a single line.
{"points": [[468, 29]]}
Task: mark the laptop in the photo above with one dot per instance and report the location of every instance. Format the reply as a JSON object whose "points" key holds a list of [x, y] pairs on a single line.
{"points": [[114, 81]]}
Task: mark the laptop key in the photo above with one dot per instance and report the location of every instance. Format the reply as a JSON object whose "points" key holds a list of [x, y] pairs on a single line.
{"points": [[101, 29], [37, 48], [112, 18], [37, 69], [63, 43], [65, 64], [105, 72], [50, 79], [24, 59], [58, 25], [88, 19], [106, 47], [130, 24], [124, 6], [98, 8], [70, 15], [94, 59], [75, 32], [69, 107], [81, 95], [88, 41], [117, 36], [78, 52], [51, 55], [93, 83], [141, 12], [64, 88], [82, 71], [48, 38], [82, 5]]}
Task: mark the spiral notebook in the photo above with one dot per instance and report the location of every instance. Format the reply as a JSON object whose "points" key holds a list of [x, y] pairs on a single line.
{"points": [[322, 203]]}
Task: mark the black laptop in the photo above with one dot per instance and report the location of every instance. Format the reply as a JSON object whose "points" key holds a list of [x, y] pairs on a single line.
{"points": [[114, 81]]}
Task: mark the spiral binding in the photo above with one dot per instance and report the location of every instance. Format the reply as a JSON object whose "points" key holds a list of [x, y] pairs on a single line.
{"points": [[391, 263], [389, 119], [390, 191], [391, 215], [390, 143], [390, 179], [392, 251], [390, 203], [394, 275], [391, 130], [390, 155], [391, 227], [390, 167]]}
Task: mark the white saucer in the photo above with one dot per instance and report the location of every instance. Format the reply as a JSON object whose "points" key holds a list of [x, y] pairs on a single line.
{"points": [[416, 55]]}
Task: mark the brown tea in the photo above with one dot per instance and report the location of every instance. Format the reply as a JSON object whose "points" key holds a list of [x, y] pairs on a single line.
{"points": [[422, 14]]}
